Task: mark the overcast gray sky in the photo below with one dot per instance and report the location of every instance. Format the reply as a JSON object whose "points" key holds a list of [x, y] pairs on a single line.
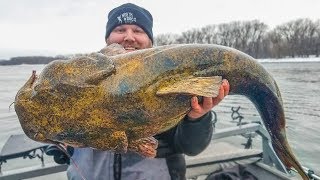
{"points": [[71, 26]]}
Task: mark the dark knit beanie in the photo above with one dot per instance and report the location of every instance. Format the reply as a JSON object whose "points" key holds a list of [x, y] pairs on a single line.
{"points": [[130, 14]]}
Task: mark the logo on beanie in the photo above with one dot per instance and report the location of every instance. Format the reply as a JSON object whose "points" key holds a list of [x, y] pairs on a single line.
{"points": [[126, 18]]}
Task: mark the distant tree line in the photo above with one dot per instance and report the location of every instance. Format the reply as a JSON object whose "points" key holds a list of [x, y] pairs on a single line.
{"points": [[297, 38], [31, 60]]}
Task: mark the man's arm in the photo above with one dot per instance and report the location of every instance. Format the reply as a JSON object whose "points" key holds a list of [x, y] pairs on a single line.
{"points": [[193, 136]]}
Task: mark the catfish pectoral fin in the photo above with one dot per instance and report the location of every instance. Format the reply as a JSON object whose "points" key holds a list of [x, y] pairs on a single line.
{"points": [[146, 147], [201, 86], [119, 142], [99, 76]]}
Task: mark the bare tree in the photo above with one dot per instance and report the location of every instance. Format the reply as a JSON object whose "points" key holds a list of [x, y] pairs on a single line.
{"points": [[209, 34], [191, 36], [317, 39], [165, 39], [245, 36], [225, 35], [276, 43]]}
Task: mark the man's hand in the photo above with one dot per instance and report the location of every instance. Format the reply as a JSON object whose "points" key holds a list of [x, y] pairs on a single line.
{"points": [[198, 110]]}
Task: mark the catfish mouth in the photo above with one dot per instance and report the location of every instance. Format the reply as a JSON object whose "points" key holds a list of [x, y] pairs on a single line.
{"points": [[130, 49]]}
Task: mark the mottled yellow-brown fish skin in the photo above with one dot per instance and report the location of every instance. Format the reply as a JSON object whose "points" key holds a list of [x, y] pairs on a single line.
{"points": [[110, 102]]}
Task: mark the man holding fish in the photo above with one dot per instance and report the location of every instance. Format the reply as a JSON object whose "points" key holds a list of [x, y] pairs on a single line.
{"points": [[131, 26]]}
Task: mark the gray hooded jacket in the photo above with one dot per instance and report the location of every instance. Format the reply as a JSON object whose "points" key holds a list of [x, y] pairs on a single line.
{"points": [[188, 137]]}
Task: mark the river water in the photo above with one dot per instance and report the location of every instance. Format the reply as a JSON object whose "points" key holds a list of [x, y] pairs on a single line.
{"points": [[299, 83]]}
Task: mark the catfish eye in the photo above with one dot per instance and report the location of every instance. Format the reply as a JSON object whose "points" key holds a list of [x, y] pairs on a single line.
{"points": [[37, 87]]}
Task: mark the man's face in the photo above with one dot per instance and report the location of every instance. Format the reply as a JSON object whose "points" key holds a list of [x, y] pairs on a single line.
{"points": [[131, 37]]}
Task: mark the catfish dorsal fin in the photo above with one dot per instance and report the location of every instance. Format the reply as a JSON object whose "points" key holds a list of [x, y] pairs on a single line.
{"points": [[200, 86]]}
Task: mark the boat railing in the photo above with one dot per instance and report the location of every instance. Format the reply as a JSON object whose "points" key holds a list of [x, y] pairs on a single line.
{"points": [[269, 156]]}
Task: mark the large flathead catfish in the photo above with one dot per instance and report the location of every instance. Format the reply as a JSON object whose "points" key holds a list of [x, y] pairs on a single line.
{"points": [[118, 102]]}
